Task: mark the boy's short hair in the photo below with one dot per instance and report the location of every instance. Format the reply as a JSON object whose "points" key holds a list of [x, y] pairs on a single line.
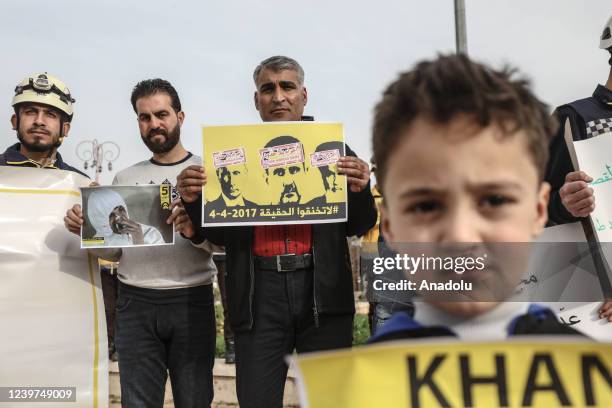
{"points": [[441, 89]]}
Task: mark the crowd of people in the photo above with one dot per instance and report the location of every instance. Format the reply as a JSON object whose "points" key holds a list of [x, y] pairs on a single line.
{"points": [[464, 154]]}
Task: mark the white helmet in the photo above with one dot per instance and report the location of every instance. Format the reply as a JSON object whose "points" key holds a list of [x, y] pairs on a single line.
{"points": [[46, 89], [605, 41]]}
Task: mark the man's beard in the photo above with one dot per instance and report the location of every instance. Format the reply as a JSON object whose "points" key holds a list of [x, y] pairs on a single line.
{"points": [[35, 147], [172, 139], [290, 189]]}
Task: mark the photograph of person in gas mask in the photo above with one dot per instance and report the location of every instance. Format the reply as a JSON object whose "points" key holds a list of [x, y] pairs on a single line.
{"points": [[108, 216]]}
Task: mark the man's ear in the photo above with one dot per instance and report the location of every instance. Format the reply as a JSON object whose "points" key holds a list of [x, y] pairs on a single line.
{"points": [[256, 100], [14, 121], [66, 129], [181, 117], [305, 95]]}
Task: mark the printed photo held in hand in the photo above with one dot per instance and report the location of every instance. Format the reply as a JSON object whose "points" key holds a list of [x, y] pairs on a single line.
{"points": [[126, 216], [276, 173]]}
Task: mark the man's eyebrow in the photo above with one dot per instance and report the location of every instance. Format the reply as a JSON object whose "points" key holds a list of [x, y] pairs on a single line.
{"points": [[266, 85], [286, 83]]}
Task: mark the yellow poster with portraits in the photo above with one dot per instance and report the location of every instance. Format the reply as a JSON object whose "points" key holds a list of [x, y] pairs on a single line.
{"points": [[273, 173]]}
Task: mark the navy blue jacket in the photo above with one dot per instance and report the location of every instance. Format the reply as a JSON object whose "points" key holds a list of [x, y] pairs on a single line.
{"points": [[12, 157], [538, 320]]}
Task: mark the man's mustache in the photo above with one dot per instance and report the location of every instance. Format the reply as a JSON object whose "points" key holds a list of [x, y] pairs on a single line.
{"points": [[335, 188], [158, 131], [291, 188], [39, 129]]}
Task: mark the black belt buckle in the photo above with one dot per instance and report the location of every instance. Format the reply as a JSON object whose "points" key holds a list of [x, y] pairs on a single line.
{"points": [[286, 262]]}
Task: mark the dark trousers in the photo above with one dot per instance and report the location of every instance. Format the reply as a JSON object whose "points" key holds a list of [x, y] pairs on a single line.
{"points": [[157, 336], [109, 281], [228, 334], [283, 322]]}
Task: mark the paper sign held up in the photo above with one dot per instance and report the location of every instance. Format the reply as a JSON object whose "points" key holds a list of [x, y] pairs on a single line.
{"points": [[229, 157], [324, 158]]}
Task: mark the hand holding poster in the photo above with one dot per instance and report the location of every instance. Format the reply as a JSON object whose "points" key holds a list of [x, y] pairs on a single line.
{"points": [[595, 159], [124, 216], [273, 173]]}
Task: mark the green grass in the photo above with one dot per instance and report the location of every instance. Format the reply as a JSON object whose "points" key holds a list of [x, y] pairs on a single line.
{"points": [[361, 329]]}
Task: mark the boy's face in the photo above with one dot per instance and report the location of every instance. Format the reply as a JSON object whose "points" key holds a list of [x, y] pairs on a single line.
{"points": [[458, 183]]}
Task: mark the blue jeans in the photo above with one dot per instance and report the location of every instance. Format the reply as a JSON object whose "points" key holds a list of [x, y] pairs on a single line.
{"points": [[384, 310], [170, 334]]}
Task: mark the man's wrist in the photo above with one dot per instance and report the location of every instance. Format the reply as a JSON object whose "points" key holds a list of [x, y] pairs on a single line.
{"points": [[197, 237]]}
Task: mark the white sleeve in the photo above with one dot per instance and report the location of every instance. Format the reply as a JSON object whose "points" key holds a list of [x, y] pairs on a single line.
{"points": [[152, 235], [209, 246]]}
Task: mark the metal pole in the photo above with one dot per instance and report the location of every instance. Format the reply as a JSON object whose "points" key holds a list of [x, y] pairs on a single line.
{"points": [[460, 28]]}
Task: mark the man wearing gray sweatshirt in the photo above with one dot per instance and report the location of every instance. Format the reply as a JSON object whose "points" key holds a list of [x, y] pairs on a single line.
{"points": [[165, 307]]}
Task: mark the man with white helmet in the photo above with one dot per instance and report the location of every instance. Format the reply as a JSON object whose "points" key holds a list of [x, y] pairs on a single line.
{"points": [[571, 197], [43, 112]]}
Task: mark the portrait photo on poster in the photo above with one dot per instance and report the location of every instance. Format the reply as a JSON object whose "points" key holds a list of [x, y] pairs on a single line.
{"points": [[126, 216], [274, 173]]}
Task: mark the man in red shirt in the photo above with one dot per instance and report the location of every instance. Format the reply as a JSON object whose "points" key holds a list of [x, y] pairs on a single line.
{"points": [[289, 287]]}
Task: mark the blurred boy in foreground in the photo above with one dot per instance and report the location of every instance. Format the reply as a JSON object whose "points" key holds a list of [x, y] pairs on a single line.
{"points": [[461, 151]]}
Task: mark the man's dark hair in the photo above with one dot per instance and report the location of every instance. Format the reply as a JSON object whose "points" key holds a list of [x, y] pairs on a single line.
{"points": [[282, 140], [452, 85], [150, 87], [330, 146], [325, 170]]}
